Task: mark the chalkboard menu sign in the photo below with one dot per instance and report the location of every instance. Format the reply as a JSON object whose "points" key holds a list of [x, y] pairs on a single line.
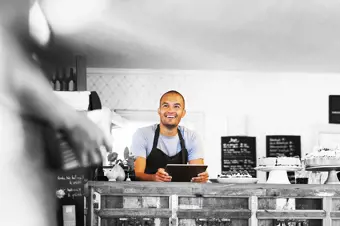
{"points": [[284, 145], [71, 184], [238, 153], [334, 109], [288, 146]]}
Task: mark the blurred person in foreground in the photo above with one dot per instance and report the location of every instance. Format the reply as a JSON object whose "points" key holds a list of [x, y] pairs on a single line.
{"points": [[27, 107], [157, 145]]}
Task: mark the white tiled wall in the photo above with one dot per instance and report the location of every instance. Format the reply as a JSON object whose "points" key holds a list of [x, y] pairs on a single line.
{"points": [[233, 103]]}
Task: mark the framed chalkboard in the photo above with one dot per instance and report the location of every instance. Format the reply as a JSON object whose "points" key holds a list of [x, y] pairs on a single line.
{"points": [[70, 184], [334, 109], [284, 145], [238, 153]]}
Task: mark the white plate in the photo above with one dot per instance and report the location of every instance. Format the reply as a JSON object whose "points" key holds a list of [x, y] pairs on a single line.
{"points": [[237, 180], [323, 168], [272, 168]]}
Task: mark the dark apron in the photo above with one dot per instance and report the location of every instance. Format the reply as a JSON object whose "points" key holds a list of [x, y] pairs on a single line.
{"points": [[158, 159]]}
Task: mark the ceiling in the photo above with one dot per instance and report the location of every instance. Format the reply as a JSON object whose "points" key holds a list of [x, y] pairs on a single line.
{"points": [[249, 35]]}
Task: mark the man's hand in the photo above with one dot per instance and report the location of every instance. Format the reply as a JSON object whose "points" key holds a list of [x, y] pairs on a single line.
{"points": [[161, 175], [86, 139], [201, 178]]}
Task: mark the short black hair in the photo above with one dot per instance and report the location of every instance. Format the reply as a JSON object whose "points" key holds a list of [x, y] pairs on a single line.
{"points": [[172, 92]]}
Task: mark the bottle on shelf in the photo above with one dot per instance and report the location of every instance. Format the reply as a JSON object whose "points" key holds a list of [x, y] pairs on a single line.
{"points": [[61, 79], [64, 81], [53, 80], [58, 81], [72, 82], [67, 80]]}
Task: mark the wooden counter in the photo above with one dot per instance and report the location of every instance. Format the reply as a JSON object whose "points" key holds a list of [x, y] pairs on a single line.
{"points": [[154, 203]]}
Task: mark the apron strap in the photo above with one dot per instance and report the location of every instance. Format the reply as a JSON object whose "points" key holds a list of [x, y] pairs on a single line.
{"points": [[183, 149], [155, 139]]}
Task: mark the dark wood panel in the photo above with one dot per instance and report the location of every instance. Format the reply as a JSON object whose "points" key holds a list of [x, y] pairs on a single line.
{"points": [[114, 201], [220, 202], [308, 204], [134, 221], [293, 214], [335, 214], [214, 213], [212, 222], [239, 222], [266, 222], [336, 204], [299, 204], [132, 202], [114, 213], [164, 202], [111, 201], [266, 203]]}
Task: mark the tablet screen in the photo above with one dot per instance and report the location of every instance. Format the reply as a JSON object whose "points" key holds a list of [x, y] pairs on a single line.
{"points": [[184, 172]]}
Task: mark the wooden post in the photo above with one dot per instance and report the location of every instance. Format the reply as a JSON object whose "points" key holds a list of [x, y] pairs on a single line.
{"points": [[253, 205], [327, 207], [90, 208], [174, 207], [81, 73]]}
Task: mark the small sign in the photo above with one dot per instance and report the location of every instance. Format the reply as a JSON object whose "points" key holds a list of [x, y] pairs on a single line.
{"points": [[71, 184], [69, 215], [283, 145], [239, 154], [334, 109]]}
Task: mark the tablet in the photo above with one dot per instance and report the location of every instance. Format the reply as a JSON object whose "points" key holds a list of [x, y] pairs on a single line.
{"points": [[184, 172]]}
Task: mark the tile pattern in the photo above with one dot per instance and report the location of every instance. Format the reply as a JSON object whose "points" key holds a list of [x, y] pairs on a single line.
{"points": [[138, 89]]}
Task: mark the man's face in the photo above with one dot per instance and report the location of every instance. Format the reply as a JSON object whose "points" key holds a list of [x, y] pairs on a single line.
{"points": [[171, 110]]}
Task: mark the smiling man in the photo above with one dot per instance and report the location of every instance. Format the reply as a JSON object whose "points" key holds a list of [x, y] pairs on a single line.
{"points": [[165, 143]]}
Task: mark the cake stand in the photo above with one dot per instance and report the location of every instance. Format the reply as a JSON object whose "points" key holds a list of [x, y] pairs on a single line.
{"points": [[278, 174], [332, 174]]}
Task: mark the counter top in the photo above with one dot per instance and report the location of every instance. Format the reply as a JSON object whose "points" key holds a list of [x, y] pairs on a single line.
{"points": [[211, 189]]}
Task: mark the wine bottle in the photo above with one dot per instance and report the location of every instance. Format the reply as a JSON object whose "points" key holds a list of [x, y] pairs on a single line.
{"points": [[72, 84], [53, 81], [64, 80], [57, 82], [61, 79]]}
